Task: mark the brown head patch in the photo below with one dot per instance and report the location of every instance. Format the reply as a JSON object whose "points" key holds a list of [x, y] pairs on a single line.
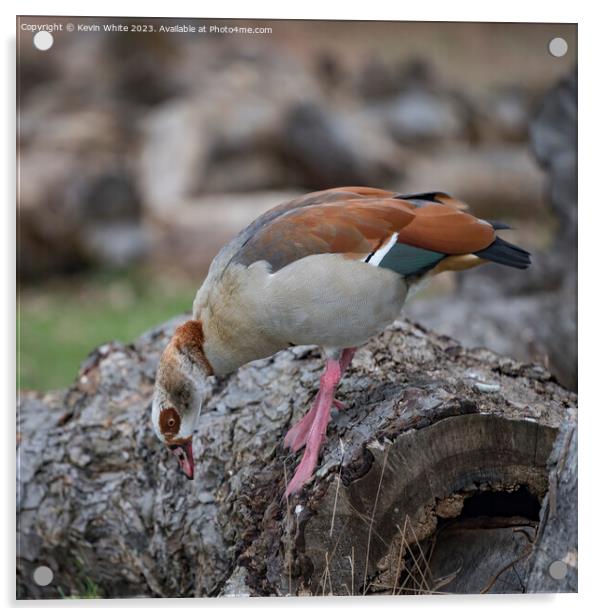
{"points": [[169, 422], [188, 339]]}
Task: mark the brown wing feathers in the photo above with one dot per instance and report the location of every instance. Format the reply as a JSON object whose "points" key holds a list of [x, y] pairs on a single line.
{"points": [[355, 221], [445, 229], [471, 241], [353, 227]]}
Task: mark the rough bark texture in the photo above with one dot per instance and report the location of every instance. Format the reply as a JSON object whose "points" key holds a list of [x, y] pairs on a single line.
{"points": [[554, 562], [431, 479]]}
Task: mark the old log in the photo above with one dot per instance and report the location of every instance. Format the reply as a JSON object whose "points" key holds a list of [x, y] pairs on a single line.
{"points": [[553, 566], [431, 480]]}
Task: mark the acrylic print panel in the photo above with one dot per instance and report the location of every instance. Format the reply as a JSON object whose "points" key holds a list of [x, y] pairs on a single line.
{"points": [[341, 447]]}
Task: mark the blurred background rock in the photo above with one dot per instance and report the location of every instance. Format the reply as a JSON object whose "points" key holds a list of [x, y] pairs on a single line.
{"points": [[141, 154]]}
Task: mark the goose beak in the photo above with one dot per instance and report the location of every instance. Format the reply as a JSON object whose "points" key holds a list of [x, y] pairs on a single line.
{"points": [[183, 453]]}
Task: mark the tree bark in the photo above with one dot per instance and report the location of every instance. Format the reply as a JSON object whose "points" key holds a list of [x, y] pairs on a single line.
{"points": [[430, 481], [553, 567]]}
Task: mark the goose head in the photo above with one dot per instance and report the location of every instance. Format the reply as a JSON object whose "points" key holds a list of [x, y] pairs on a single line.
{"points": [[181, 386]]}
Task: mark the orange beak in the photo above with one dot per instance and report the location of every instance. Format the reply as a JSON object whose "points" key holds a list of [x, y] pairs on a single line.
{"points": [[183, 453]]}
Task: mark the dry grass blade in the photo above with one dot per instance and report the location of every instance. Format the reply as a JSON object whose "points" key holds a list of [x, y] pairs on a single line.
{"points": [[400, 557], [352, 563], [326, 576], [420, 573], [444, 581], [427, 569], [336, 494], [326, 571], [380, 482], [366, 519]]}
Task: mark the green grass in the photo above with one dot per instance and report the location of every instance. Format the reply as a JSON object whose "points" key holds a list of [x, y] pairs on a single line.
{"points": [[59, 323], [87, 587], [90, 590]]}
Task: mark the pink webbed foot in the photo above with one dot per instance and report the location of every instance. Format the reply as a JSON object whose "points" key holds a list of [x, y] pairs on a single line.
{"points": [[305, 470], [296, 437], [317, 431]]}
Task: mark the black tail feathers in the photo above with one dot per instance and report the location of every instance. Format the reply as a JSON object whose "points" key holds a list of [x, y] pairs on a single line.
{"points": [[505, 253]]}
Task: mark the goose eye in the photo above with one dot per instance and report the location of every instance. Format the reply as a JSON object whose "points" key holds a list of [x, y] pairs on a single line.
{"points": [[169, 421]]}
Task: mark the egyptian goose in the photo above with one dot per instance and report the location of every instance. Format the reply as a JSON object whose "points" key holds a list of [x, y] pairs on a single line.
{"points": [[331, 268]]}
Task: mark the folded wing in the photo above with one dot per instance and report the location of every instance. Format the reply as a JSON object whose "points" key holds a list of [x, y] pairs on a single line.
{"points": [[409, 234]]}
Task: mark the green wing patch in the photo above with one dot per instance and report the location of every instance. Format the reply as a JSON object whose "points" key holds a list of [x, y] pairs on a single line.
{"points": [[410, 260]]}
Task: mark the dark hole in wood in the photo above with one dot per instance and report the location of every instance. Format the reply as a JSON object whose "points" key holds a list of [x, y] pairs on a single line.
{"points": [[521, 502], [466, 553]]}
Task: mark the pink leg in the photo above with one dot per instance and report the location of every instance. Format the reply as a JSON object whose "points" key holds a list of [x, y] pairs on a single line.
{"points": [[346, 357], [328, 383], [296, 437]]}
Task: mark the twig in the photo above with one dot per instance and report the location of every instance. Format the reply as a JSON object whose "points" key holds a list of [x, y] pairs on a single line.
{"points": [[326, 575]]}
